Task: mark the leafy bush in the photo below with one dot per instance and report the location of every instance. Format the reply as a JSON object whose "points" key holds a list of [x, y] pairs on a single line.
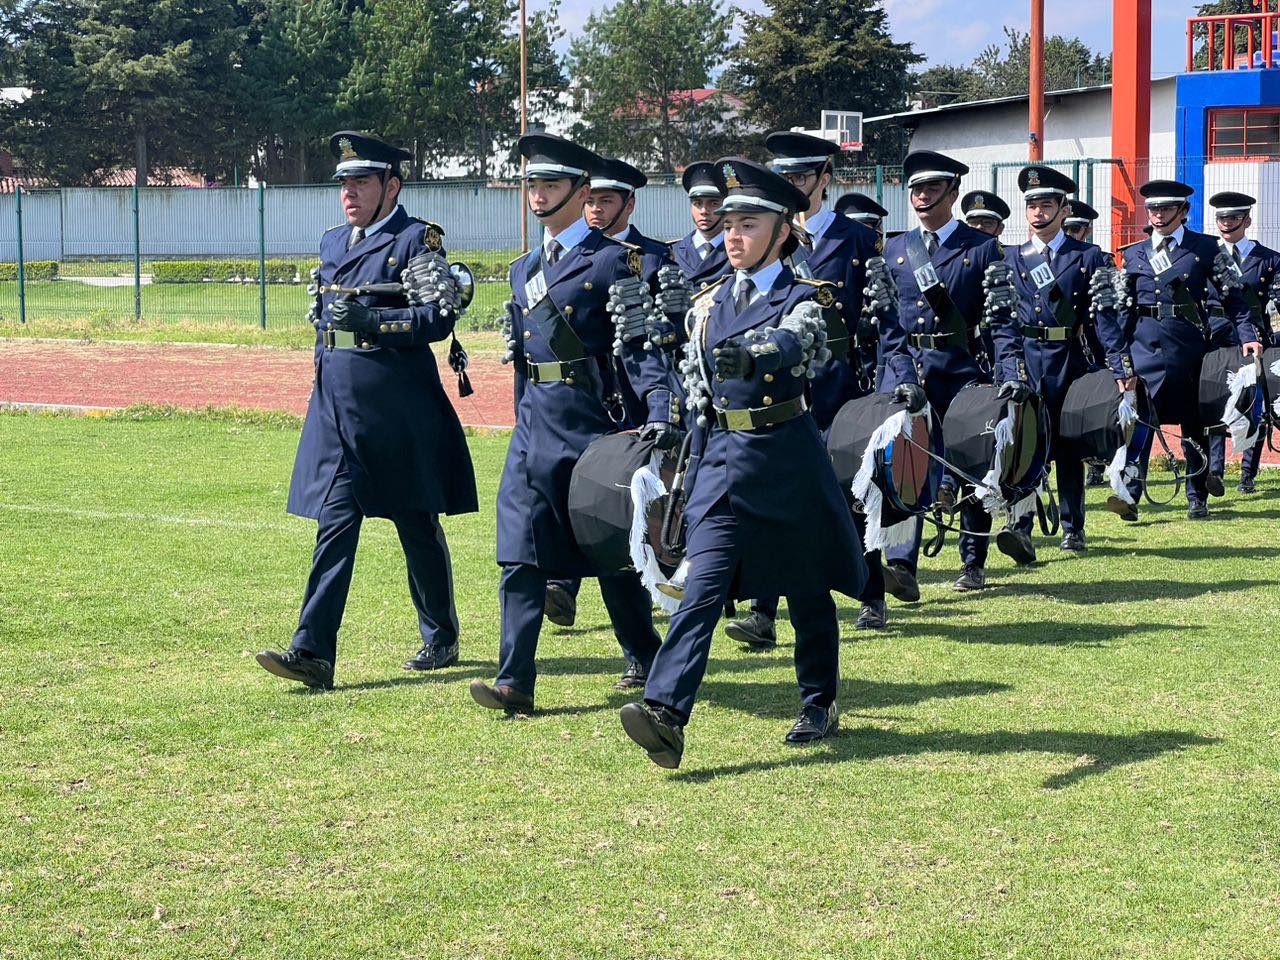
{"points": [[227, 271], [34, 270]]}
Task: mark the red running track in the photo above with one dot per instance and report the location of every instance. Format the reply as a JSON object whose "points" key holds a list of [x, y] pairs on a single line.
{"points": [[113, 375], [191, 376]]}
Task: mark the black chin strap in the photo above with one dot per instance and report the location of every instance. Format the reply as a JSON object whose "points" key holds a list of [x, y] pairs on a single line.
{"points": [[1062, 205], [773, 238], [577, 185], [383, 178], [1181, 209], [626, 198], [952, 184]]}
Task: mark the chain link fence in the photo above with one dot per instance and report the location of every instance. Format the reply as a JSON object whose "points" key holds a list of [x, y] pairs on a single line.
{"points": [[194, 258]]}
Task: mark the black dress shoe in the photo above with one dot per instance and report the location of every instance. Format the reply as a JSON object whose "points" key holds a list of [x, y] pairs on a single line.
{"points": [[1073, 542], [657, 729], [814, 723], [1127, 512], [1016, 545], [872, 616], [434, 656], [971, 580], [1246, 486], [756, 631], [1095, 478], [1197, 511], [505, 698], [901, 582], [1214, 483], [559, 606], [633, 678], [296, 665]]}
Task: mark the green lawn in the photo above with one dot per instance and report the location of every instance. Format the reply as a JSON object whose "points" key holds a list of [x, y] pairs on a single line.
{"points": [[205, 312], [1083, 762]]}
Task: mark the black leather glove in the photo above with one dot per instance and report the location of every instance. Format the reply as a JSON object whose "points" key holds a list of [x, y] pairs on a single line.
{"points": [[353, 315], [665, 436], [1016, 390], [911, 394], [733, 360]]}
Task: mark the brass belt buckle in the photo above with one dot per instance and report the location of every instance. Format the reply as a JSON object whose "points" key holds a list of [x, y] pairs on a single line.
{"points": [[738, 419]]}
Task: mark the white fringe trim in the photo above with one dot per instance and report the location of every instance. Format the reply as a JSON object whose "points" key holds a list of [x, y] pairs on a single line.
{"points": [[1119, 472], [646, 487], [988, 490], [1244, 432], [878, 537]]}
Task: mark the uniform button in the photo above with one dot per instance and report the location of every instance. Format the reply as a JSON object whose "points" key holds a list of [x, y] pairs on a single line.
{"points": [[568, 381], [840, 283], [900, 260], [587, 285], [1024, 275], [854, 261], [383, 328], [768, 378], [568, 310], [364, 345], [966, 261], [919, 303], [724, 401], [526, 311], [675, 418], [768, 400], [528, 334], [1037, 309]]}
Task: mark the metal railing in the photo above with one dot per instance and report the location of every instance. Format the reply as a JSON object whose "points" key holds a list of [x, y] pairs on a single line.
{"points": [[1260, 39]]}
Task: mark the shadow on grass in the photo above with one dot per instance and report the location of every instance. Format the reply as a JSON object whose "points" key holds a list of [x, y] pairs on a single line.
{"points": [[462, 670], [1090, 753], [781, 699], [1110, 591], [1043, 633], [1199, 552]]}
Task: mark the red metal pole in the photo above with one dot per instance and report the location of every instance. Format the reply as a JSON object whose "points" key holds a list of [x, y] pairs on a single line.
{"points": [[1130, 115], [1036, 99], [524, 124], [1191, 30]]}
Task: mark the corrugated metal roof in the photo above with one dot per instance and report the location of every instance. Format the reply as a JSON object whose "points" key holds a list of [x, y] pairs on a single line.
{"points": [[995, 102]]}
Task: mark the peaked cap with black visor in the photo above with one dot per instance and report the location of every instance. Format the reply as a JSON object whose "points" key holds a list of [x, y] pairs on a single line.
{"points": [[1080, 214], [1045, 183], [924, 166], [699, 180], [795, 152], [1230, 203], [860, 207], [360, 155], [984, 203], [1161, 193], [620, 176], [749, 187], [548, 157]]}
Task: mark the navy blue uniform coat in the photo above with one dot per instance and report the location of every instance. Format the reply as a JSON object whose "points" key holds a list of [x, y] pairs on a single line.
{"points": [[1167, 354], [382, 410], [797, 528], [700, 273], [960, 262], [1053, 365], [556, 421], [840, 257], [1259, 268]]}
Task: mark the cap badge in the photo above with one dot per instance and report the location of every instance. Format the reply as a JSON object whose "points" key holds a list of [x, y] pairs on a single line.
{"points": [[1033, 178], [348, 151], [730, 177], [979, 202]]}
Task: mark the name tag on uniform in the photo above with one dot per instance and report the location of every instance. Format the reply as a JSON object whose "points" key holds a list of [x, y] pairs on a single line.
{"points": [[926, 276], [1042, 275], [535, 289], [1160, 263]]}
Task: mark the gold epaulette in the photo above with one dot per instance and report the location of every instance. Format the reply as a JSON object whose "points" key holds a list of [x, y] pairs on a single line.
{"points": [[711, 286], [825, 294], [624, 243], [523, 254]]}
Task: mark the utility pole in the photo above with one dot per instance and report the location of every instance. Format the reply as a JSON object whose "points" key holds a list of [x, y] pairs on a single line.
{"points": [[524, 121], [1036, 100]]}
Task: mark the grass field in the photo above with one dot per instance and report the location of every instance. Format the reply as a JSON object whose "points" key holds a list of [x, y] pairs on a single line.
{"points": [[1083, 762]]}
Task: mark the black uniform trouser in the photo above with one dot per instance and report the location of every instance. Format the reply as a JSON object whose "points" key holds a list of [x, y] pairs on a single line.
{"points": [[523, 595], [426, 555], [1248, 462], [714, 551]]}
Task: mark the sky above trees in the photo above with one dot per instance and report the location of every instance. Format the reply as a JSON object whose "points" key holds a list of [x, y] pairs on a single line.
{"points": [[949, 32]]}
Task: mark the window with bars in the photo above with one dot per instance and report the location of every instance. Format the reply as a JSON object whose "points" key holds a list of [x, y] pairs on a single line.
{"points": [[1244, 134]]}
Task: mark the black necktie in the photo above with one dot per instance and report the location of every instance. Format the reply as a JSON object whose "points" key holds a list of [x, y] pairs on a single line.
{"points": [[553, 252], [1048, 254], [931, 242], [743, 297], [356, 236], [1235, 254]]}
